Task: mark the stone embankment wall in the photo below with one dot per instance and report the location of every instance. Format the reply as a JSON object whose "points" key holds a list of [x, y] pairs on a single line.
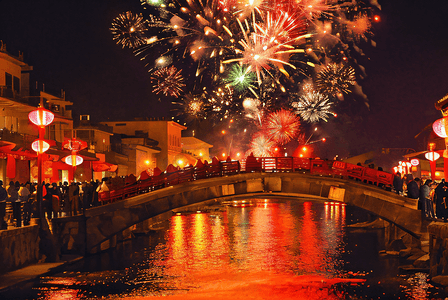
{"points": [[19, 247], [438, 250]]}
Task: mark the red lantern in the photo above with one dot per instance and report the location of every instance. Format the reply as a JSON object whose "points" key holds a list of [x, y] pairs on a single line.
{"points": [[40, 146], [439, 127], [41, 117], [77, 159], [432, 156]]}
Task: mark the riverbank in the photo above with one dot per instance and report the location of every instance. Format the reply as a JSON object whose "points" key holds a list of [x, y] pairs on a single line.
{"points": [[20, 277]]}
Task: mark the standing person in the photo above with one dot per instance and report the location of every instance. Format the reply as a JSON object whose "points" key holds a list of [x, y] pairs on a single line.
{"points": [[95, 185], [73, 192], [439, 195], [55, 199], [427, 207], [47, 201], [3, 197], [398, 183], [65, 198], [24, 196], [413, 188]]}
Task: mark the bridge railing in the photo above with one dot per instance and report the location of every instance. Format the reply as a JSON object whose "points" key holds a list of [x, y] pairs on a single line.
{"points": [[229, 167]]}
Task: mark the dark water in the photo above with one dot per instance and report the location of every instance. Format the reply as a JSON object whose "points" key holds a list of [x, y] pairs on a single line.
{"points": [[264, 250]]}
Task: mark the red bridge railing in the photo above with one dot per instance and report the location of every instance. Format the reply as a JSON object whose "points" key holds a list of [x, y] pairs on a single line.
{"points": [[173, 176]]}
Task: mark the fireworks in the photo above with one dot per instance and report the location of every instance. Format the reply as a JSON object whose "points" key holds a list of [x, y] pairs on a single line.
{"points": [[359, 26], [313, 106], [282, 126], [253, 109], [248, 57], [169, 81], [240, 78], [191, 106], [220, 104], [335, 79], [261, 146], [129, 30]]}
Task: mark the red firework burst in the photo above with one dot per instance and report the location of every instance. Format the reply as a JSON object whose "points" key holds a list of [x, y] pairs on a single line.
{"points": [[169, 81], [282, 126]]}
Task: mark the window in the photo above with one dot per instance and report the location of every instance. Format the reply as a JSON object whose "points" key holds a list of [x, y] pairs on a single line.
{"points": [[8, 80], [120, 124], [16, 85], [55, 107]]}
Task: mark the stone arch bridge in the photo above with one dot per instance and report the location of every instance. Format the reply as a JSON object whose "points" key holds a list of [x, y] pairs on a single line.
{"points": [[87, 233]]}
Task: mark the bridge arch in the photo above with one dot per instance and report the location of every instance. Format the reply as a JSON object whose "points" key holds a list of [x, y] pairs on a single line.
{"points": [[104, 222]]}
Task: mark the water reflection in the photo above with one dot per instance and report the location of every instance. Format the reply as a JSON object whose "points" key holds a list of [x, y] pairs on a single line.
{"points": [[263, 249]]}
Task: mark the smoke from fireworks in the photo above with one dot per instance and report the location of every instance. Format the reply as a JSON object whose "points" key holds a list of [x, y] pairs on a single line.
{"points": [[129, 30], [169, 81], [313, 106]]}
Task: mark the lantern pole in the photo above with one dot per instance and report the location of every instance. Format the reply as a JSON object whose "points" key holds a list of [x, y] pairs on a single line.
{"points": [[41, 118]]}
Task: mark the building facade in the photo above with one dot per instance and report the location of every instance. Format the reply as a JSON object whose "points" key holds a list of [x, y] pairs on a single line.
{"points": [[167, 133]]}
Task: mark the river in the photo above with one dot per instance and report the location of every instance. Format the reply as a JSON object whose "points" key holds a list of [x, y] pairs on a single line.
{"points": [[253, 249]]}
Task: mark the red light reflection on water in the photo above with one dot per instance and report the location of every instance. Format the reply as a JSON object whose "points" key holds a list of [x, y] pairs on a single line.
{"points": [[254, 252]]}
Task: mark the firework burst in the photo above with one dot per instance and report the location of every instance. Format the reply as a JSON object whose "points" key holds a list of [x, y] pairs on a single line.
{"points": [[261, 146], [220, 104], [241, 78], [282, 126], [129, 30], [313, 106], [335, 79], [169, 81], [191, 106], [359, 27]]}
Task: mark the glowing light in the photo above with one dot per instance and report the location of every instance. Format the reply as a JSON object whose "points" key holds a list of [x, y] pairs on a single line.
{"points": [[40, 146], [439, 127], [41, 117], [147, 162], [432, 156], [78, 160], [415, 162]]}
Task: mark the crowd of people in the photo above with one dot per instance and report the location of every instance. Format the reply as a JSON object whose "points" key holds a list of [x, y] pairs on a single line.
{"points": [[18, 201], [432, 196]]}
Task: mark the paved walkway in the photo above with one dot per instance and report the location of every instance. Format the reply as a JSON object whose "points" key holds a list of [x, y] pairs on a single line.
{"points": [[15, 278]]}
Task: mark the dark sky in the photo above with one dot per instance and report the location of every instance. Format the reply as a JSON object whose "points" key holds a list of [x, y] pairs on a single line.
{"points": [[70, 47]]}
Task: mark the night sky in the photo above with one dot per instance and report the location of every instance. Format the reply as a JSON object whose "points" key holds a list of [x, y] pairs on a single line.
{"points": [[70, 47]]}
